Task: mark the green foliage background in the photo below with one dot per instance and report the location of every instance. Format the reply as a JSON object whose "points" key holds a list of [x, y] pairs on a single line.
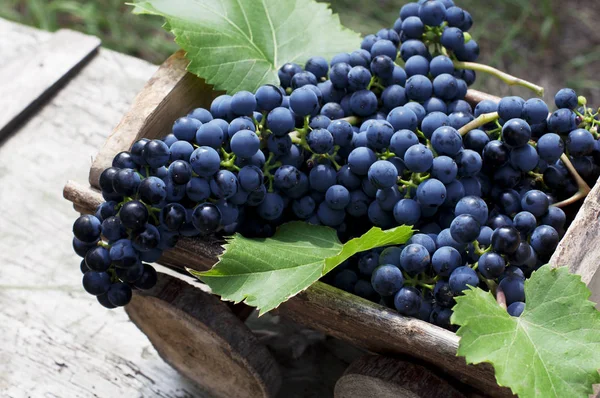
{"points": [[554, 43]]}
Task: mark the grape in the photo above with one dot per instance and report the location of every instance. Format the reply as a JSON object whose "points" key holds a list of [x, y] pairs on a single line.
{"points": [[461, 278], [201, 115], [417, 65], [181, 150], [319, 122], [180, 172], [113, 229], [148, 278], [387, 280], [510, 108], [544, 240], [304, 207], [224, 184], [469, 52], [87, 228], [145, 239], [407, 301], [337, 197], [359, 204], [173, 216], [555, 217], [383, 174], [205, 161], [453, 38], [363, 103], [198, 189], [580, 142], [491, 265], [402, 118], [445, 260], [418, 88], [469, 163], [562, 121], [535, 111], [414, 259], [524, 158], [122, 254], [359, 78], [446, 141], [339, 75], [360, 160], [378, 216], [516, 308], [279, 146], [445, 86], [379, 134], [464, 228], [330, 217], [455, 191], [184, 128], [119, 294], [407, 212], [432, 12], [505, 240], [413, 27], [486, 106], [304, 102], [418, 158], [513, 288], [317, 66], [320, 141], [384, 47], [98, 259], [536, 202], [322, 177], [268, 97], [431, 193], [566, 98], [96, 283], [206, 218]]}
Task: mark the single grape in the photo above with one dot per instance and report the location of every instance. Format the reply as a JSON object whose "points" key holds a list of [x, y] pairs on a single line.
{"points": [[337, 197], [513, 288], [205, 161], [465, 228], [407, 212], [446, 141], [414, 259], [431, 193], [505, 240], [304, 207], [461, 278], [407, 301], [566, 98], [516, 308], [580, 142], [98, 259], [536, 202], [206, 218], [491, 265], [544, 240], [96, 283], [387, 280], [268, 97], [418, 158], [419, 88], [148, 278], [87, 228], [445, 260]]}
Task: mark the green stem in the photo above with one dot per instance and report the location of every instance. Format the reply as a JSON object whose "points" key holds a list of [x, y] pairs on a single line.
{"points": [[505, 77], [584, 188], [481, 120], [408, 183], [103, 244]]}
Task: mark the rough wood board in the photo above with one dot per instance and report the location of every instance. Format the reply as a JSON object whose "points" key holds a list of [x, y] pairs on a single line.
{"points": [[197, 333], [56, 340], [375, 376], [29, 79]]}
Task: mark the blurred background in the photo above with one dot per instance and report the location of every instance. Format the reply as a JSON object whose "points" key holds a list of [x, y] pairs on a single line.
{"points": [[553, 43]]}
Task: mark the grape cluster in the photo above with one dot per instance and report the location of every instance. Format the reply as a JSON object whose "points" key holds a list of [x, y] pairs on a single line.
{"points": [[381, 137]]}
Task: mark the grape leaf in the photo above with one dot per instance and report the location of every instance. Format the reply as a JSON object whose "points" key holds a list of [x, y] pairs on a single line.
{"points": [[240, 44], [551, 350], [266, 272]]}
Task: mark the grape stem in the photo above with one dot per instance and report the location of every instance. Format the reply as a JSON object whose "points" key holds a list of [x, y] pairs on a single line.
{"points": [[481, 120], [584, 188], [501, 298], [103, 244], [505, 77], [353, 120]]}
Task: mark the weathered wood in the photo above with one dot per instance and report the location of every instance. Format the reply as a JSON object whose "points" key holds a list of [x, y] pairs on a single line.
{"points": [[56, 340], [376, 376], [32, 77], [168, 95], [344, 315], [198, 335]]}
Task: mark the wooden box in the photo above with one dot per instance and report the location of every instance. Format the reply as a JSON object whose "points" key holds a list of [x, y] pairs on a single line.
{"points": [[171, 93]]}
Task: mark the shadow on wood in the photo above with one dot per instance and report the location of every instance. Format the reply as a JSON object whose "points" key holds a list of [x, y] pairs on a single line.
{"points": [[198, 335]]}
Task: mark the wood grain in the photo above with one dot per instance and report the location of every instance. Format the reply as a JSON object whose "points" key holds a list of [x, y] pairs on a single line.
{"points": [[168, 95], [34, 75], [376, 376], [56, 340], [198, 335]]}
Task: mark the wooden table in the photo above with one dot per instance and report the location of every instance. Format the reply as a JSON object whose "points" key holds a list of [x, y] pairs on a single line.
{"points": [[55, 340]]}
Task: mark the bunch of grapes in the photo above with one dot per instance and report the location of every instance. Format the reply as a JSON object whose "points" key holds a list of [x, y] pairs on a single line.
{"points": [[381, 137]]}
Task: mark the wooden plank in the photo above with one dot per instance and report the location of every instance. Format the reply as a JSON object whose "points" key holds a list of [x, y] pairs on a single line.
{"points": [[28, 80], [56, 340], [376, 376], [199, 336], [337, 313]]}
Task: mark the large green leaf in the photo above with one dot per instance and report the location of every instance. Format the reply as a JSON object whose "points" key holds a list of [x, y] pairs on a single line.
{"points": [[551, 350], [239, 44], [266, 272]]}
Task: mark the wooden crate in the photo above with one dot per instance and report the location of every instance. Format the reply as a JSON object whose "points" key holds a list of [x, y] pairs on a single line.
{"points": [[171, 93]]}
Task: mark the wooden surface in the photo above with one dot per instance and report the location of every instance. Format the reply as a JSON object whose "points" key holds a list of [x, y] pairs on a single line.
{"points": [[198, 334], [56, 340], [376, 376], [27, 80]]}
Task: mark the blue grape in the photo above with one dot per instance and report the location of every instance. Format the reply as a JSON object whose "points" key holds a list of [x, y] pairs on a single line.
{"points": [[173, 216], [96, 283], [524, 158], [414, 259], [562, 121], [339, 75], [445, 260], [491, 265], [304, 207], [98, 259], [444, 169], [113, 229], [474, 206], [516, 308], [363, 103], [387, 280], [360, 160], [322, 177], [320, 141], [279, 146], [461, 278], [185, 128], [516, 132], [566, 98], [286, 177], [555, 218], [378, 216], [505, 240], [544, 240], [445, 86], [286, 72], [87, 228], [317, 66], [152, 190], [243, 103], [367, 262], [384, 47], [224, 184], [580, 142], [359, 78], [459, 106], [347, 178], [201, 114], [198, 189], [383, 174], [418, 88], [536, 202], [513, 288], [511, 107], [432, 122], [453, 38], [359, 204], [401, 141], [145, 239], [332, 110], [413, 27], [250, 177], [455, 191], [134, 215], [205, 161], [409, 10], [330, 217], [206, 218], [485, 106], [417, 65], [408, 301], [391, 256], [464, 228], [319, 122], [431, 193], [342, 132], [432, 12], [469, 163], [124, 160], [180, 172], [535, 111], [550, 147], [418, 158], [280, 121], [525, 223], [156, 153], [268, 97], [446, 141], [459, 119], [181, 150], [337, 197]]}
